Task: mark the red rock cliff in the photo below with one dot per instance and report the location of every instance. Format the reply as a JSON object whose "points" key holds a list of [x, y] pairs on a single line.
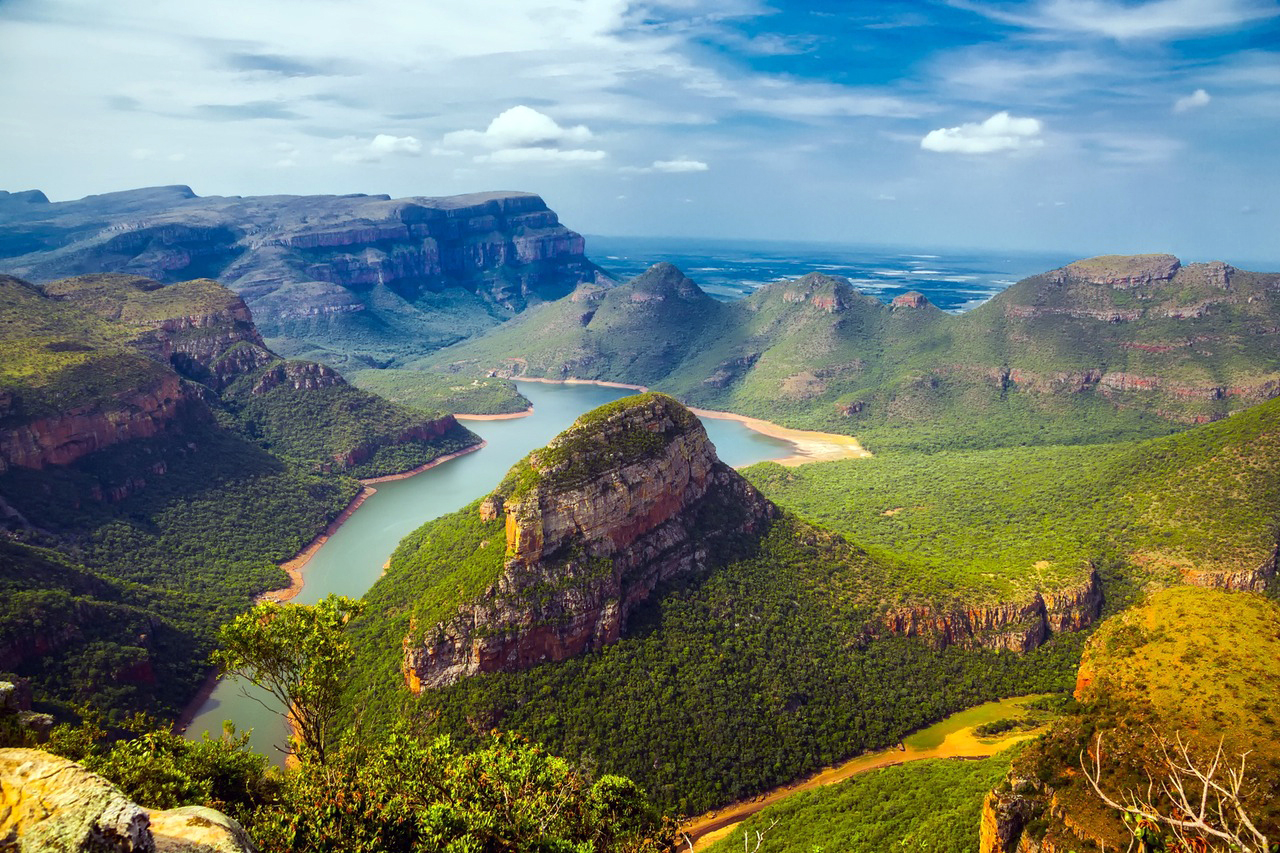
{"points": [[630, 496]]}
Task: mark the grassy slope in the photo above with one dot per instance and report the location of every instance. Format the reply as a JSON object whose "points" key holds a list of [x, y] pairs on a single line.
{"points": [[918, 379], [931, 806], [989, 523], [1195, 662], [432, 392]]}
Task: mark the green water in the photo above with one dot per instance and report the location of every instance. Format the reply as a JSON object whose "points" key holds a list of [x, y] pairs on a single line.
{"points": [[352, 559]]}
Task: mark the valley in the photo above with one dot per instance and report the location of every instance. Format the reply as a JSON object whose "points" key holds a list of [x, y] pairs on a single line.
{"points": [[582, 563]]}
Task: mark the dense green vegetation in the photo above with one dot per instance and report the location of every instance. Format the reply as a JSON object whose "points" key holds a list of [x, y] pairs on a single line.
{"points": [[343, 428], [1026, 368], [1199, 664], [931, 806], [433, 392], [995, 522], [693, 703], [166, 537]]}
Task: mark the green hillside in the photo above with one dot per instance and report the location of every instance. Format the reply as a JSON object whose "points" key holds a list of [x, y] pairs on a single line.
{"points": [[150, 439], [1102, 350], [431, 392]]}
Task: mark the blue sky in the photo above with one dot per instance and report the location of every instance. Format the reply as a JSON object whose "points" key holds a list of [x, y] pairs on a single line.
{"points": [[1088, 126]]}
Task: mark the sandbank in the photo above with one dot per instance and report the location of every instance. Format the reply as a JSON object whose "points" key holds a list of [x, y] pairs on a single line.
{"points": [[810, 446], [504, 417]]}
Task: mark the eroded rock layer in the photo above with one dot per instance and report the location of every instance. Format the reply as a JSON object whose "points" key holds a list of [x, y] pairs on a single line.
{"points": [[632, 495]]}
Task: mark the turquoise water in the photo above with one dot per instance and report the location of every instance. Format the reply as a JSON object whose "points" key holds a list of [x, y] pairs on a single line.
{"points": [[352, 560]]}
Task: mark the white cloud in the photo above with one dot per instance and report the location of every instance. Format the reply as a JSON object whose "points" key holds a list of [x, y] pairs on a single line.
{"points": [[521, 127], [540, 155], [1001, 132], [1154, 19], [1198, 98], [379, 148], [682, 164]]}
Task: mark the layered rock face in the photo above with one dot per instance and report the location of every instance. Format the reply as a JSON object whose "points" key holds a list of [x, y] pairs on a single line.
{"points": [[51, 803], [632, 495], [62, 439], [1015, 626], [299, 259]]}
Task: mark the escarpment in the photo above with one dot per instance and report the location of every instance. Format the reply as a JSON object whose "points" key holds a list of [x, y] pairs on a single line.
{"points": [[354, 275], [1018, 626], [632, 495]]}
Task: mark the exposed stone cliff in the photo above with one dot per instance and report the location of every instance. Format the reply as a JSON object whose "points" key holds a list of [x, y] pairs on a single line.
{"points": [[1018, 626], [630, 496], [304, 263]]}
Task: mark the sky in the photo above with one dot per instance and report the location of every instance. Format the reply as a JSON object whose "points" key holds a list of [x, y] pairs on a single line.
{"points": [[1087, 126]]}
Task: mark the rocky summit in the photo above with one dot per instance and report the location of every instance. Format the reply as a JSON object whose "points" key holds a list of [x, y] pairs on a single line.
{"points": [[630, 496], [361, 276]]}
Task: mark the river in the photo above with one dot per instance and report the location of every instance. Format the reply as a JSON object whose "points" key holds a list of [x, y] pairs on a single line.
{"points": [[353, 557]]}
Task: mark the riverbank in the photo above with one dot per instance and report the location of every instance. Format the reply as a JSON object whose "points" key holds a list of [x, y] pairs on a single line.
{"points": [[810, 446], [293, 567], [509, 416], [951, 738]]}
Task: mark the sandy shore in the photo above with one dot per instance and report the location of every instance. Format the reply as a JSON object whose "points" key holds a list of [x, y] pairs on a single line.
{"points": [[810, 446], [510, 416], [197, 702], [439, 460]]}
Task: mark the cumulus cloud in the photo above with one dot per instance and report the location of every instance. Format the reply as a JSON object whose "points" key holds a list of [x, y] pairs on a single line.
{"points": [[521, 127], [381, 147], [524, 135], [1001, 132], [1198, 98], [681, 164]]}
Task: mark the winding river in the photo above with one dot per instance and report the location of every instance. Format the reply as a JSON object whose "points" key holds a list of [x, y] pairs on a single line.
{"points": [[354, 556]]}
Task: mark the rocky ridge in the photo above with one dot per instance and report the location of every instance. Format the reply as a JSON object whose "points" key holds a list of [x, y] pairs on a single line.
{"points": [[333, 270], [1012, 626], [632, 495]]}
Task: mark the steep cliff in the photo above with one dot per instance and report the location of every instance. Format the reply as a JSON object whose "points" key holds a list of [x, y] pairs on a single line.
{"points": [[351, 276], [629, 497], [1017, 626]]}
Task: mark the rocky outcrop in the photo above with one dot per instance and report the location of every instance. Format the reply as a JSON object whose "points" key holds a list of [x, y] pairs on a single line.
{"points": [[1012, 626], [831, 294], [63, 438], [910, 299], [1121, 271], [632, 495], [299, 375], [425, 431], [1004, 815], [1250, 580], [48, 803]]}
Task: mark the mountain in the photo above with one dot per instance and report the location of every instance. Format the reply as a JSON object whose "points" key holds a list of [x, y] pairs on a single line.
{"points": [[1189, 664], [625, 598], [1102, 349], [166, 461], [359, 280]]}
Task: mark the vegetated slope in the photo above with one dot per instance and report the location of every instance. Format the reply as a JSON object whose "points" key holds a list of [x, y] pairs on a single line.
{"points": [[925, 805], [647, 623], [1103, 349], [148, 435], [420, 389], [351, 280], [1202, 506], [1192, 663]]}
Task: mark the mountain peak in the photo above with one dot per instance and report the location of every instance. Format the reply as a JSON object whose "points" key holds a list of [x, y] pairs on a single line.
{"points": [[664, 280], [1121, 270], [631, 495], [910, 299]]}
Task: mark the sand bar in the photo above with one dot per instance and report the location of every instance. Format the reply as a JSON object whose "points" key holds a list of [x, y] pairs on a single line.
{"points": [[509, 416], [810, 446]]}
